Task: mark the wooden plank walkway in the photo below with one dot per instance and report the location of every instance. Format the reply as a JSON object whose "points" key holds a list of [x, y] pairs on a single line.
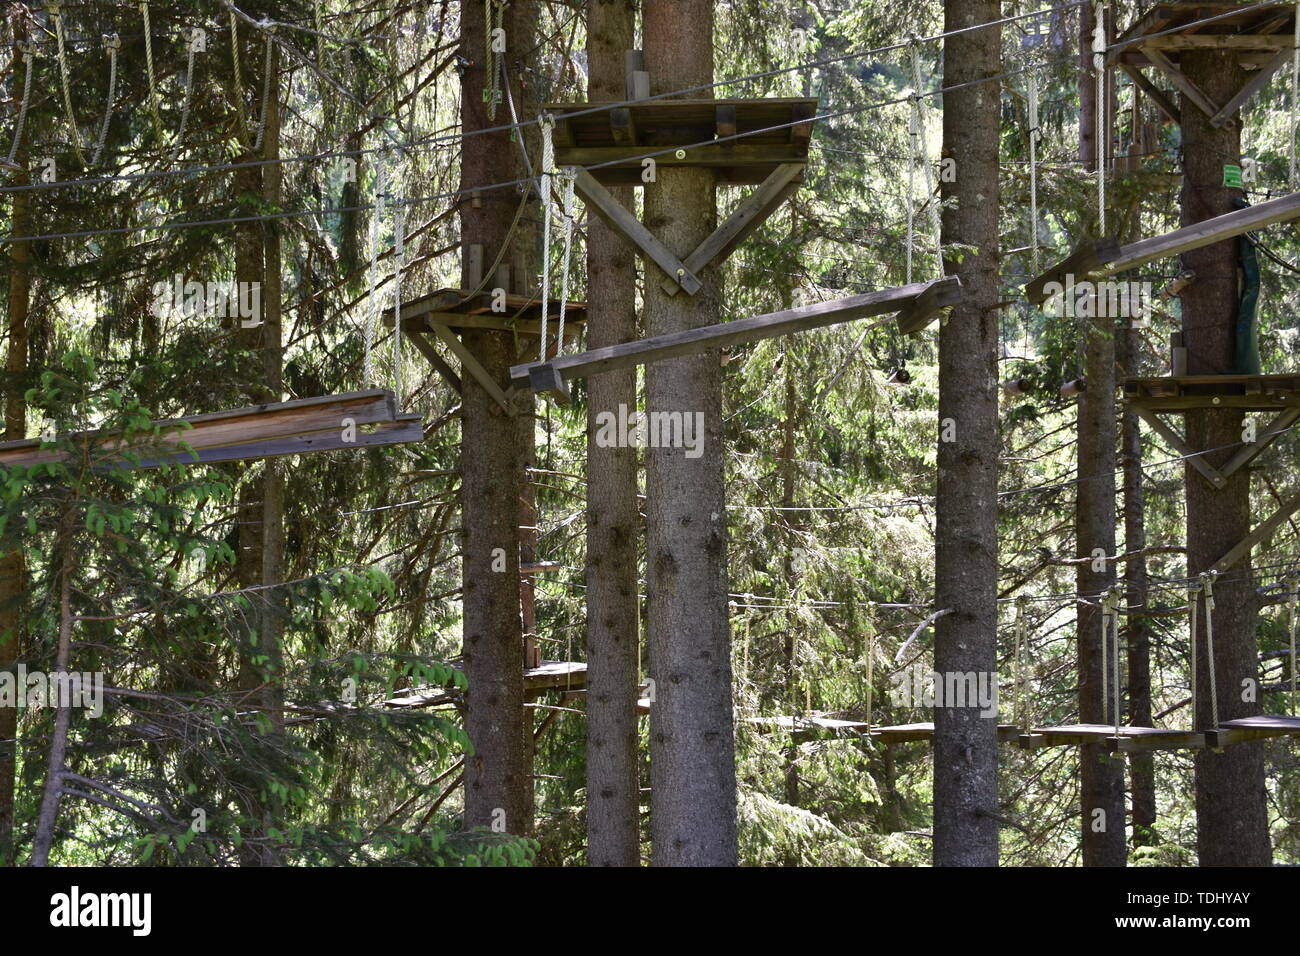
{"points": [[1246, 729], [916, 304], [1130, 739], [296, 427]]}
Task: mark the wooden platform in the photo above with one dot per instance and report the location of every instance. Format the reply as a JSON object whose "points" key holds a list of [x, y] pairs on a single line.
{"points": [[1129, 739], [1253, 393], [549, 675], [807, 728], [457, 309], [906, 733], [610, 143], [1261, 35], [917, 305], [1252, 728], [258, 431]]}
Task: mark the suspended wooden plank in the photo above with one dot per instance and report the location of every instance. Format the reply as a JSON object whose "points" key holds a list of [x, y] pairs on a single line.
{"points": [[1105, 256], [1246, 729], [908, 733], [1128, 739], [724, 334], [459, 309], [548, 675], [260, 431]]}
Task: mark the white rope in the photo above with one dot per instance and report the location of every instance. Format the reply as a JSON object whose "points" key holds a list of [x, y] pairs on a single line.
{"points": [[930, 198], [239, 78], [913, 138], [399, 241], [1207, 579], [1034, 135], [548, 164], [368, 371], [266, 94], [148, 60], [493, 11], [1102, 136], [114, 43], [195, 35], [29, 54], [1193, 599], [1294, 580], [1107, 609], [1115, 686], [1295, 98], [56, 14], [569, 175], [1022, 667]]}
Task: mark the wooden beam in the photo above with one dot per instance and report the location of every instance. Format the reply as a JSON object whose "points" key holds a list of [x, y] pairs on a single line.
{"points": [[621, 126], [746, 217], [918, 315], [1188, 88], [724, 123], [1166, 105], [1253, 86], [626, 225], [1088, 258], [1206, 232], [636, 81], [1241, 550], [426, 349], [771, 325], [801, 132], [1248, 454], [729, 153], [1176, 441], [470, 364], [1212, 41]]}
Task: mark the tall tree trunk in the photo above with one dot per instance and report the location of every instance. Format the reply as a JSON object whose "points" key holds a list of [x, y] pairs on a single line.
{"points": [[1136, 583], [966, 546], [47, 819], [692, 742], [1101, 776], [497, 783], [1231, 809], [12, 566], [613, 521]]}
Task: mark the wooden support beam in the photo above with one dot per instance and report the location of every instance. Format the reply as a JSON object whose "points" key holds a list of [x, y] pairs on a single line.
{"points": [[1188, 88], [771, 325], [746, 217], [626, 225], [801, 132], [1246, 455], [1246, 729], [730, 153], [1206, 232], [917, 316], [1217, 41], [426, 349], [1176, 441], [636, 81], [1088, 258], [1157, 95], [621, 126], [1253, 86], [470, 364], [724, 123], [1241, 550]]}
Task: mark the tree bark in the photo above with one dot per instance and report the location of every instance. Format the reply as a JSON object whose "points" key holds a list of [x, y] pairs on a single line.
{"points": [[692, 745], [1136, 582], [966, 546], [613, 521], [1101, 776], [1231, 808], [47, 818], [497, 781]]}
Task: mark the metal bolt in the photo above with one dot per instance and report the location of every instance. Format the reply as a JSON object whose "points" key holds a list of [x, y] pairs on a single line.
{"points": [[681, 154]]}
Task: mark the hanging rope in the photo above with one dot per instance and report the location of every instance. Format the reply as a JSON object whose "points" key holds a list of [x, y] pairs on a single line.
{"points": [[148, 62], [548, 164], [1294, 580], [29, 55], [114, 44], [913, 134], [1034, 135], [1295, 99], [368, 371], [1207, 581], [56, 14], [931, 201], [399, 241], [1107, 611], [1022, 666], [266, 93], [1099, 67], [493, 14], [196, 37], [1115, 593], [570, 176], [1193, 598], [239, 78]]}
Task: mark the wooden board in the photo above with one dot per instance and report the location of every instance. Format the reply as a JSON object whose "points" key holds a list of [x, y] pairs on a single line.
{"points": [[548, 675], [457, 309], [258, 431], [1128, 739], [907, 733], [724, 334], [1250, 29], [611, 142], [1249, 392], [1246, 729]]}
